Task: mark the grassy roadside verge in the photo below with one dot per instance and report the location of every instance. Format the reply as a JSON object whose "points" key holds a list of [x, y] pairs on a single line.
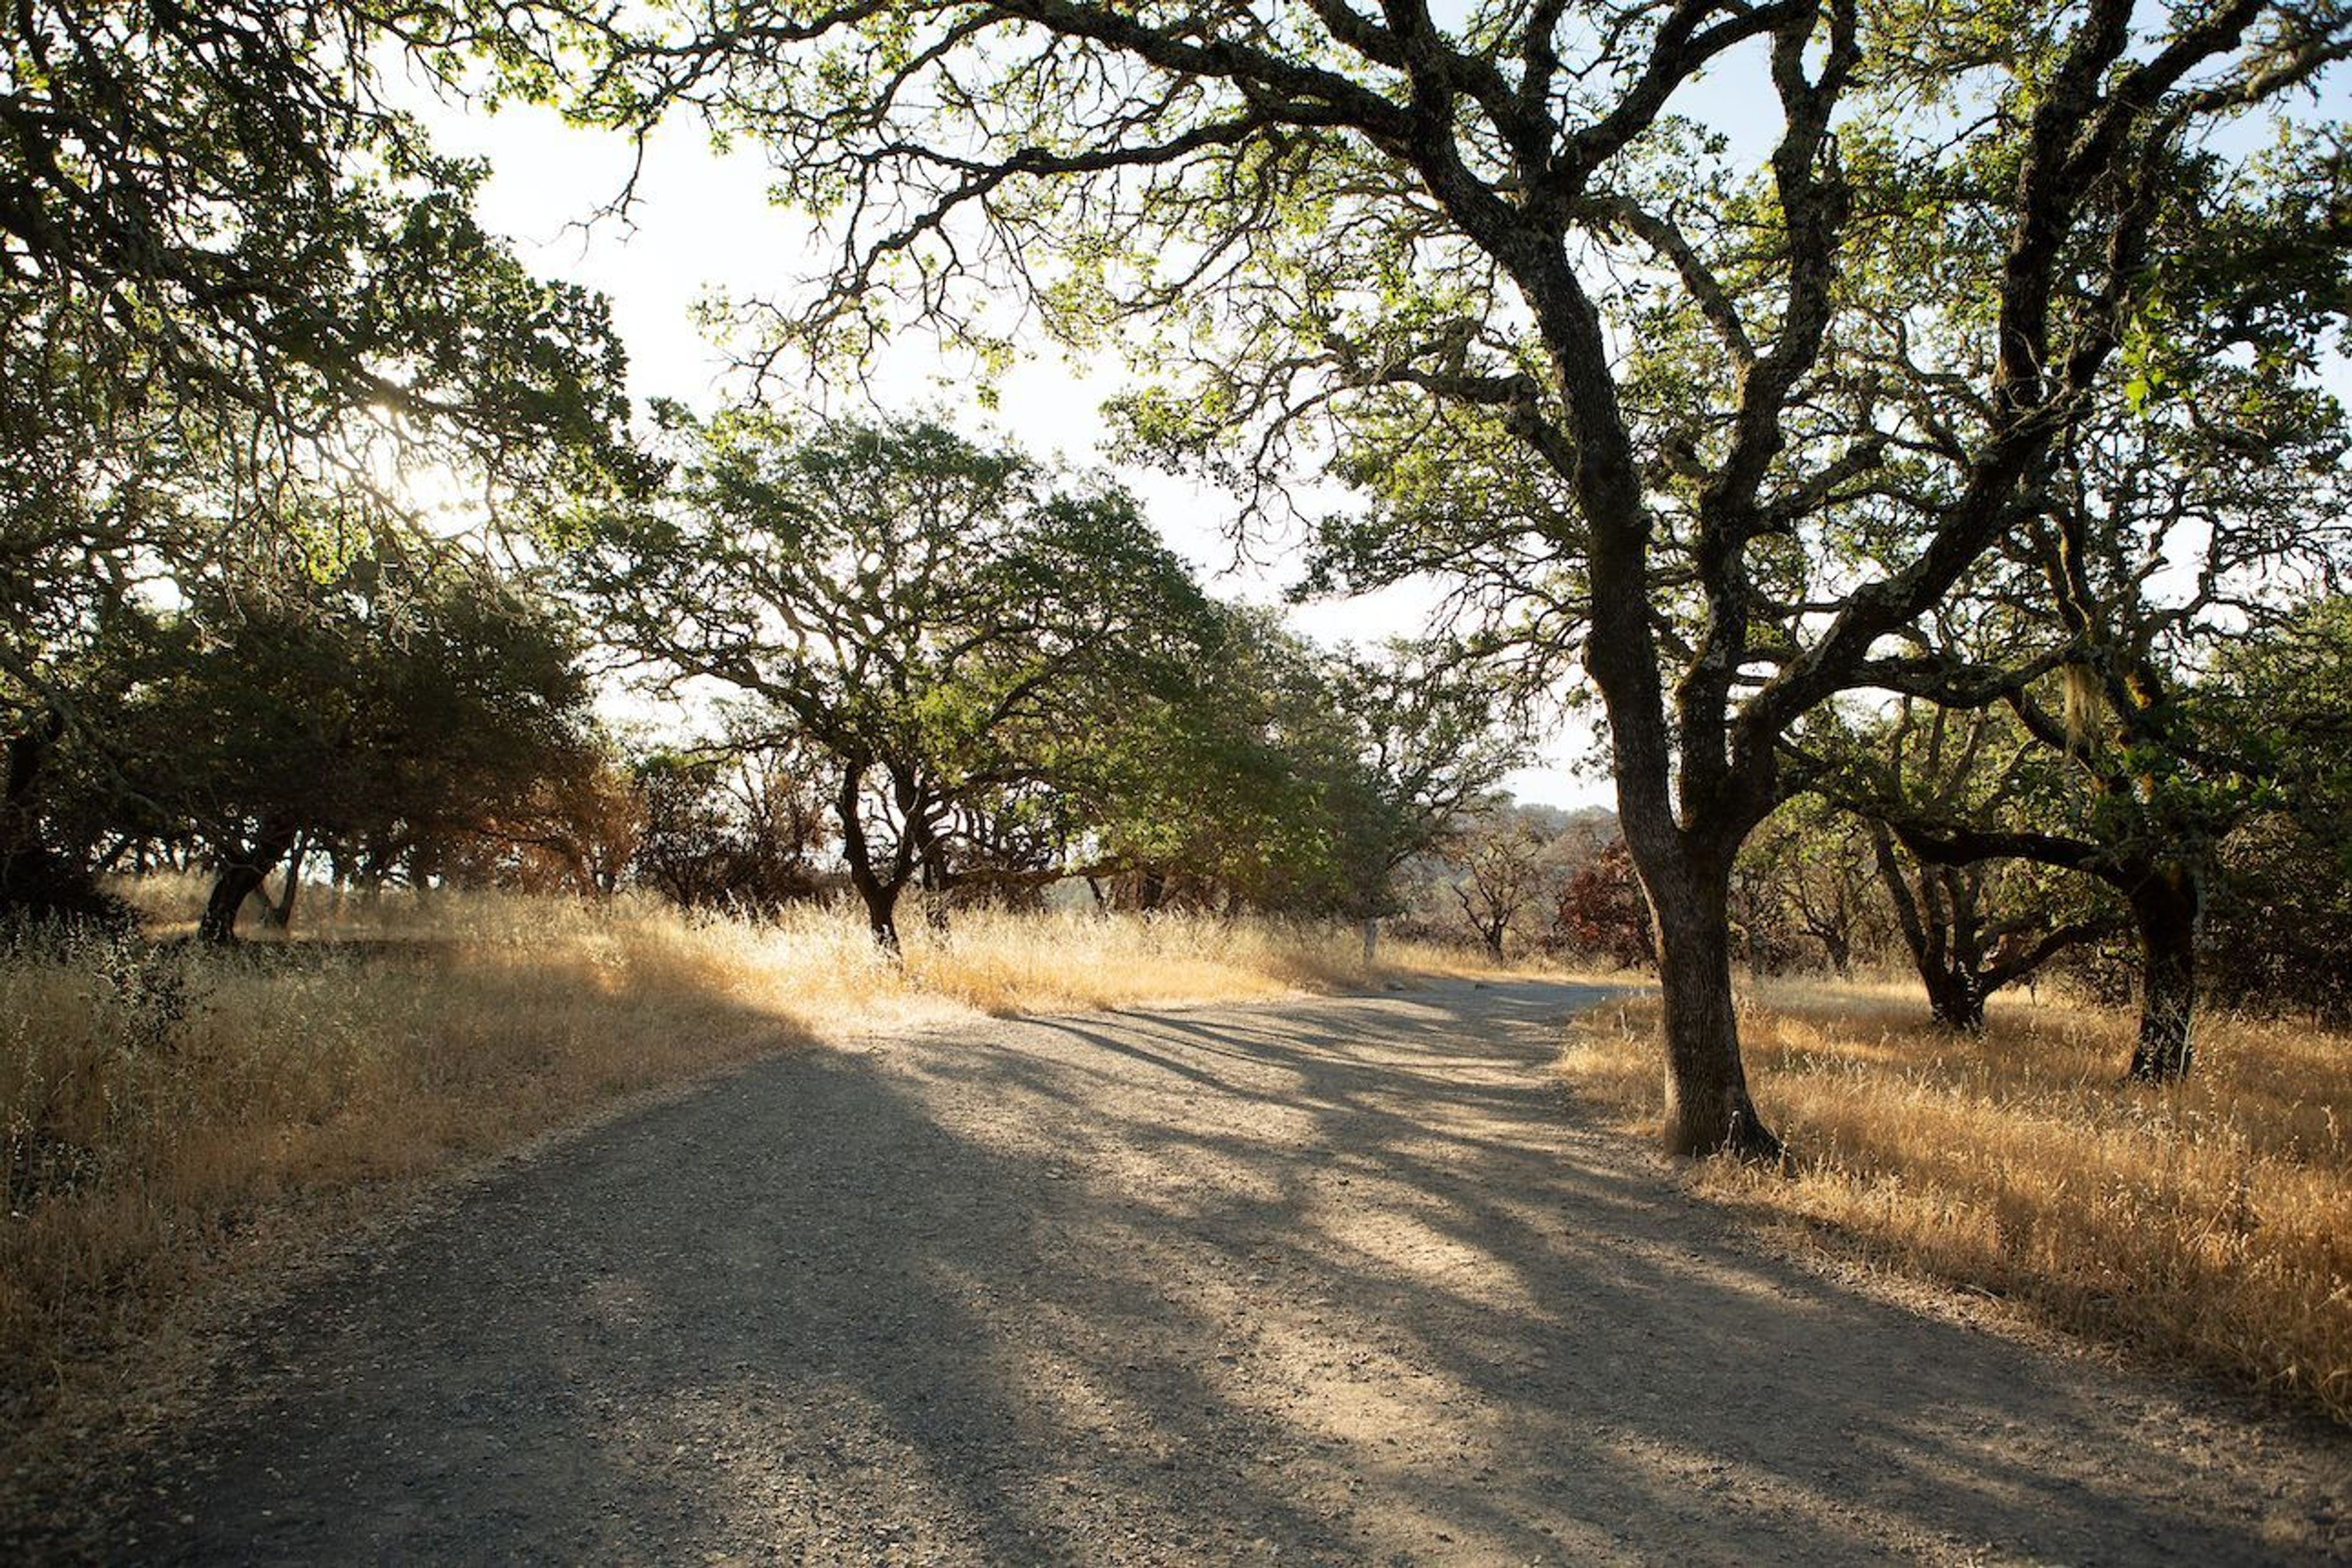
{"points": [[170, 1116], [2207, 1225]]}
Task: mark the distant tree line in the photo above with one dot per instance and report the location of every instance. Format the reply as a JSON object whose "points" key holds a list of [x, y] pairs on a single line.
{"points": [[1985, 847], [993, 677], [941, 668]]}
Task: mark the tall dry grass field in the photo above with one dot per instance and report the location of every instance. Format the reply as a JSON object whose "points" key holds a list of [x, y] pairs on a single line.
{"points": [[169, 1113], [2209, 1223]]}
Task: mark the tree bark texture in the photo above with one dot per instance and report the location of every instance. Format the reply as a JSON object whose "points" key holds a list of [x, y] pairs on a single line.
{"points": [[1708, 1111], [2169, 906], [242, 870]]}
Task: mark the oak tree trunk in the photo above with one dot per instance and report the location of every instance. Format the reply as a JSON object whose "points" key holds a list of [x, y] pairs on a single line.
{"points": [[1956, 998], [1938, 927], [278, 914], [2167, 906], [1684, 864], [881, 901], [1837, 947], [232, 886], [1708, 1111], [878, 892], [242, 870]]}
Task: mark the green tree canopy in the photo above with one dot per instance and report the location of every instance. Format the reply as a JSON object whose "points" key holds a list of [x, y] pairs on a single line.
{"points": [[944, 621], [242, 297], [1293, 778], [1713, 373], [2283, 911], [376, 710]]}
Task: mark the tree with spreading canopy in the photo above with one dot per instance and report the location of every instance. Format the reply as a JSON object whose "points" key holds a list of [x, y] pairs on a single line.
{"points": [[1503, 878], [1435, 733], [1293, 778], [1207, 789], [378, 710], [941, 621], [1971, 927], [2200, 494], [743, 824], [1750, 430], [234, 279], [1809, 878]]}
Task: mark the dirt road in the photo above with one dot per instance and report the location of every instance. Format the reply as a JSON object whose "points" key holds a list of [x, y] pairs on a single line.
{"points": [[1337, 1281]]}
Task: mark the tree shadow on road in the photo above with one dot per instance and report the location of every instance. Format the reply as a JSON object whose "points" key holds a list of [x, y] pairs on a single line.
{"points": [[1337, 1282]]}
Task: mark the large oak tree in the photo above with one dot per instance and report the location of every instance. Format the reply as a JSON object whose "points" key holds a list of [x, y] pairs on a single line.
{"points": [[941, 621], [240, 296], [1435, 234]]}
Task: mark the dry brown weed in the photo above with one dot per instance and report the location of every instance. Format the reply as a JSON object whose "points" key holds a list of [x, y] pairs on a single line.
{"points": [[160, 1104], [2207, 1223]]}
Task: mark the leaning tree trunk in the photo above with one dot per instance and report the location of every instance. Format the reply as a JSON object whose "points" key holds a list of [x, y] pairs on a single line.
{"points": [[279, 915], [1684, 865], [235, 883], [2167, 906], [878, 892], [242, 870], [1708, 1111]]}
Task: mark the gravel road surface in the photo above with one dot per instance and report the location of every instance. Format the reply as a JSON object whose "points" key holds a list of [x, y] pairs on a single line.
{"points": [[1332, 1281]]}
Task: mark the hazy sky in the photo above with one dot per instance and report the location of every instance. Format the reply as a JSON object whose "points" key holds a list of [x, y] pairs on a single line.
{"points": [[701, 223]]}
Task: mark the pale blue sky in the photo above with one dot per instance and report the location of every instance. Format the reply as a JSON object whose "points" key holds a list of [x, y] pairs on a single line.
{"points": [[701, 221]]}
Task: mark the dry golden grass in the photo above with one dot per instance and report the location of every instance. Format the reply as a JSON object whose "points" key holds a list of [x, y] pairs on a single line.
{"points": [[2209, 1223], [168, 1113], [1005, 964]]}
